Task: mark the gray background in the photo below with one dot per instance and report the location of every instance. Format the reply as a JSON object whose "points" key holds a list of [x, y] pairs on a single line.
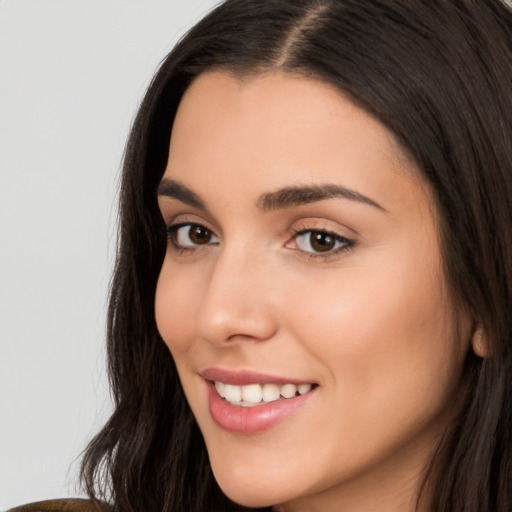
{"points": [[72, 73]]}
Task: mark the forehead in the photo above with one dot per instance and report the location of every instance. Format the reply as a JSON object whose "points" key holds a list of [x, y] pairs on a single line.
{"points": [[283, 105], [277, 129]]}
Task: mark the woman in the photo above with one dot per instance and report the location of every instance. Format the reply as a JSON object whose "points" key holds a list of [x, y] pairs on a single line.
{"points": [[310, 309]]}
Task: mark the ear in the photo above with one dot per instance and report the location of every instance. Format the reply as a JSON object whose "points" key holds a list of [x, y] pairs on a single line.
{"points": [[479, 342]]}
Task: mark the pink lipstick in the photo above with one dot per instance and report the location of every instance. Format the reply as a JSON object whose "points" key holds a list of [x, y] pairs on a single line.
{"points": [[247, 402]]}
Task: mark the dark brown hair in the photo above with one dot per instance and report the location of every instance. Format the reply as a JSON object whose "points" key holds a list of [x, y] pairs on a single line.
{"points": [[438, 74]]}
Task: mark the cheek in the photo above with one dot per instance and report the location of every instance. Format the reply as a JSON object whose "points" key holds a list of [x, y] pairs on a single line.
{"points": [[176, 295], [390, 358], [379, 333]]}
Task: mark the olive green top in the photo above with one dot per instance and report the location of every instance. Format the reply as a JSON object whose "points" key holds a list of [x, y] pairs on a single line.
{"points": [[65, 505]]}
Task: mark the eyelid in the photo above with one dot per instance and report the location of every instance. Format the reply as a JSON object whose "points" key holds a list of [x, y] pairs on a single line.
{"points": [[324, 226], [342, 243], [172, 217], [173, 228], [319, 226]]}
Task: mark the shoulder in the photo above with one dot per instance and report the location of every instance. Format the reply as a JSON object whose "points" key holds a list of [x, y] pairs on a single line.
{"points": [[64, 505]]}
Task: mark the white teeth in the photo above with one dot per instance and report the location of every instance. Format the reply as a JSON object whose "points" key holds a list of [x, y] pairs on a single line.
{"points": [[289, 390], [271, 392], [254, 394], [232, 393], [219, 386], [303, 388]]}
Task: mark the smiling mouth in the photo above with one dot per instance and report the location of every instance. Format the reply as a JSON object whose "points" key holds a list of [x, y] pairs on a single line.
{"points": [[252, 395]]}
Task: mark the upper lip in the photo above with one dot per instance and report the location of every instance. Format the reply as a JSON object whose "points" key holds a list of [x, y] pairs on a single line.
{"points": [[245, 377]]}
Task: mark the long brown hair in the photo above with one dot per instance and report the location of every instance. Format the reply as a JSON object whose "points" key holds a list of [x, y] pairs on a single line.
{"points": [[438, 74]]}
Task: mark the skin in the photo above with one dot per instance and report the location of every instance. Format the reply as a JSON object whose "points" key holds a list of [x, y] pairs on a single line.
{"points": [[372, 323]]}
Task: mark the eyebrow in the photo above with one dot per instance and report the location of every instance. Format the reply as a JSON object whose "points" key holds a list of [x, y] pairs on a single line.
{"points": [[296, 196], [176, 190], [280, 199]]}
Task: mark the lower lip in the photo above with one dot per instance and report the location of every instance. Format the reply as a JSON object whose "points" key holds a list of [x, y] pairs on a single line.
{"points": [[252, 420]]}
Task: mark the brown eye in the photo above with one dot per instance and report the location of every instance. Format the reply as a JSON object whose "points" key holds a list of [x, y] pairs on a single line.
{"points": [[321, 242], [187, 236], [200, 234]]}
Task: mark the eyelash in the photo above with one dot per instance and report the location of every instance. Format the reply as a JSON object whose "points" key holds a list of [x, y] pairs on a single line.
{"points": [[346, 243], [172, 234]]}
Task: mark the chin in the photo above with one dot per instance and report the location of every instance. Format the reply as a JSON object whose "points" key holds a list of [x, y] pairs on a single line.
{"points": [[247, 498], [251, 489]]}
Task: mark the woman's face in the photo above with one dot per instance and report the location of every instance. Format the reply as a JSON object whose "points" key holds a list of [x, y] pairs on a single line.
{"points": [[302, 296]]}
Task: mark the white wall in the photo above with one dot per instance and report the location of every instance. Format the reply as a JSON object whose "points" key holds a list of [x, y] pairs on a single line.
{"points": [[71, 75]]}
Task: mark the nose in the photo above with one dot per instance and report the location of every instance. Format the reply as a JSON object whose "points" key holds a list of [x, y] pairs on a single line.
{"points": [[237, 303]]}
